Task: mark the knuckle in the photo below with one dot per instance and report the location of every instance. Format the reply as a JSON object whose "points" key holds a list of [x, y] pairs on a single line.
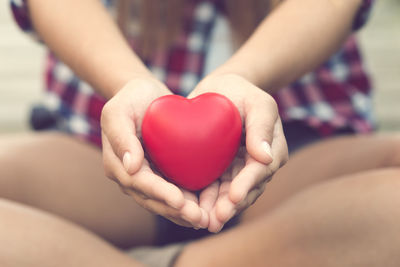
{"points": [[245, 203], [285, 160], [107, 167], [144, 203], [269, 171], [143, 196], [266, 100], [117, 144], [139, 192], [109, 173], [267, 180], [166, 211], [253, 199], [148, 205], [124, 190], [393, 158], [273, 167], [270, 101], [138, 198], [136, 185], [125, 182], [105, 113]]}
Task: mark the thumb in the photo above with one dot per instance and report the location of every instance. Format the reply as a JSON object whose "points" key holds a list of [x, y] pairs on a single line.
{"points": [[120, 130], [260, 118]]}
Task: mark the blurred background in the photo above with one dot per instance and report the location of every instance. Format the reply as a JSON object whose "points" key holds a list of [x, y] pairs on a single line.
{"points": [[21, 65]]}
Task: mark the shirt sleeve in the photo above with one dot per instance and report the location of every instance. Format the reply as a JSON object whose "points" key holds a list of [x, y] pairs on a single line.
{"points": [[20, 12], [362, 14]]}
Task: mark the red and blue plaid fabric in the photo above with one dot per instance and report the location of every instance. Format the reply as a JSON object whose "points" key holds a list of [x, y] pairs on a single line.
{"points": [[335, 96]]}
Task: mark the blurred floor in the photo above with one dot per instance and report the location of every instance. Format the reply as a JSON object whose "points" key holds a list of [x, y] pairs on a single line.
{"points": [[21, 64]]}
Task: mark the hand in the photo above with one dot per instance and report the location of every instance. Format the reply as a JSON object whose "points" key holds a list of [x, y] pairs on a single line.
{"points": [[260, 156], [125, 163]]}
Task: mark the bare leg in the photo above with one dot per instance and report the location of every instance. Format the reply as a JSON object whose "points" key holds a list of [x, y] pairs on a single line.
{"points": [[30, 237], [324, 161], [43, 182], [65, 177], [348, 222], [47, 171]]}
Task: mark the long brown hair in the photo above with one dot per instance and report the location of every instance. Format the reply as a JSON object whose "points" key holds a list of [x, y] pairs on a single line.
{"points": [[160, 21]]}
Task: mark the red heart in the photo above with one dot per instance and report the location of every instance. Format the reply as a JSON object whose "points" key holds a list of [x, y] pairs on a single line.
{"points": [[192, 141]]}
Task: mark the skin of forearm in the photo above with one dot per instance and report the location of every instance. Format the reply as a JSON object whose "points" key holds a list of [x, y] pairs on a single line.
{"points": [[84, 36], [294, 39]]}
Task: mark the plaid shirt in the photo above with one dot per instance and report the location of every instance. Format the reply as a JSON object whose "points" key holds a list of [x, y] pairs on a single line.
{"points": [[336, 95]]}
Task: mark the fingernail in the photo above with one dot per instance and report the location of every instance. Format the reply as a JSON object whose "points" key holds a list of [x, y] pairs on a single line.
{"points": [[126, 160], [267, 148]]}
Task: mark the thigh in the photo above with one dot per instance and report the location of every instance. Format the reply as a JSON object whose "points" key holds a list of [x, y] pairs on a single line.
{"points": [[326, 160], [349, 221], [61, 175], [35, 238]]}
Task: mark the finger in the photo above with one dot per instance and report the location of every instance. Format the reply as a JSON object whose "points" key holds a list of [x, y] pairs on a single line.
{"points": [[190, 196], [251, 197], [255, 173], [207, 200], [160, 208], [260, 116], [146, 182], [209, 196], [155, 187], [192, 212], [119, 128], [189, 215], [109, 162], [250, 176], [224, 208], [214, 225], [205, 219], [279, 147]]}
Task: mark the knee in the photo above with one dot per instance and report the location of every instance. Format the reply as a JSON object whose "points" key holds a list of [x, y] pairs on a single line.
{"points": [[372, 196], [367, 210], [21, 157], [393, 151], [364, 204], [383, 197], [358, 215]]}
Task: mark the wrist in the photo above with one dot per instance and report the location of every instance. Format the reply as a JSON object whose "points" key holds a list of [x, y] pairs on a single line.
{"points": [[223, 83], [145, 85], [238, 68], [129, 77], [224, 75]]}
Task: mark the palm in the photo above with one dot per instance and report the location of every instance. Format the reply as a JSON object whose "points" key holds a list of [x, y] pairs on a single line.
{"points": [[216, 198], [192, 206]]}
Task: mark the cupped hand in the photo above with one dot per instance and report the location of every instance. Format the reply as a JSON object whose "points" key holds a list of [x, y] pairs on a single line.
{"points": [[262, 153], [125, 162]]}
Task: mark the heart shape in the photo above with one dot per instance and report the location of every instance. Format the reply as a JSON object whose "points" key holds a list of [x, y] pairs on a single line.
{"points": [[192, 141]]}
